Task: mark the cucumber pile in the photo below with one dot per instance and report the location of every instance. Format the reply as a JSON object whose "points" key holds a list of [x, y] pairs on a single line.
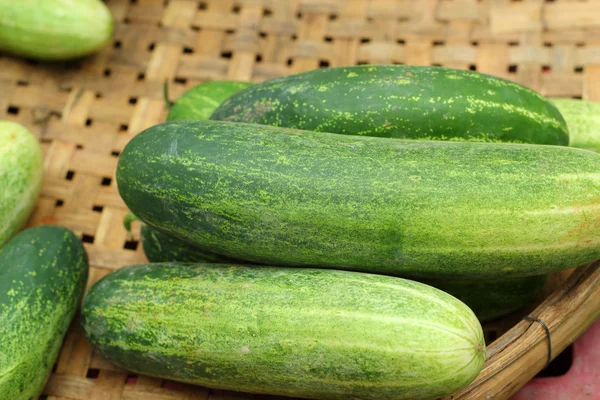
{"points": [[417, 200]]}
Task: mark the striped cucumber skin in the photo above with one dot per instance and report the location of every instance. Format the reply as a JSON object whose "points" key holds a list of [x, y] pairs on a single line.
{"points": [[199, 102], [43, 271], [21, 176], [54, 29], [427, 209], [583, 119], [407, 102], [304, 332], [488, 298]]}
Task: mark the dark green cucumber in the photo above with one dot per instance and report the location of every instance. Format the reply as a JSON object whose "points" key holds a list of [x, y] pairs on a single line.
{"points": [[412, 102], [311, 333], [428, 209], [488, 298], [43, 272], [199, 102]]}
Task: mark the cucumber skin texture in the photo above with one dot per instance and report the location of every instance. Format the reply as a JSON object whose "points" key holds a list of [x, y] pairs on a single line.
{"points": [[54, 30], [488, 298], [199, 102], [583, 119], [21, 176], [287, 331], [420, 209], [406, 102], [43, 272]]}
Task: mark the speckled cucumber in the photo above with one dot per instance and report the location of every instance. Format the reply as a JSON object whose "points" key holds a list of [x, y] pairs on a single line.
{"points": [[54, 29], [427, 209], [398, 101], [43, 271], [285, 331], [583, 119], [21, 175], [488, 298], [199, 102]]}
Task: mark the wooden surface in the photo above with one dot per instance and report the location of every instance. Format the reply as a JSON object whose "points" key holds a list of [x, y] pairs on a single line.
{"points": [[85, 112]]}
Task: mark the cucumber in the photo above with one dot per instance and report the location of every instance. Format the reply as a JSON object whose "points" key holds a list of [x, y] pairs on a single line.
{"points": [[43, 272], [199, 102], [411, 102], [54, 29], [287, 331], [21, 175], [421, 209], [583, 119], [488, 298]]}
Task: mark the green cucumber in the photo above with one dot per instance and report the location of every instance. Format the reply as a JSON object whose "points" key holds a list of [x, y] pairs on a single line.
{"points": [[411, 102], [583, 119], [488, 298], [199, 102], [287, 331], [21, 175], [421, 209], [43, 272], [54, 29]]}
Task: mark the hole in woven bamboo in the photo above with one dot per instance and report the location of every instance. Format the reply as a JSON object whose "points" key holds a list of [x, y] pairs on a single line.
{"points": [[133, 100], [401, 41], [14, 110], [226, 54], [512, 68], [290, 61], [267, 12], [79, 146], [236, 9], [126, 20], [98, 95], [294, 37], [106, 181], [365, 40], [123, 128], [141, 76], [117, 44], [44, 140], [97, 208], [188, 50], [88, 122], [59, 203], [133, 1], [361, 62], [202, 5], [131, 245], [92, 373], [436, 65], [323, 64], [115, 153], [579, 44], [230, 31], [22, 83], [548, 44], [131, 379], [328, 39], [438, 43], [151, 46], [107, 72], [87, 239], [262, 34], [180, 80], [195, 28], [546, 68], [578, 69], [397, 63], [298, 15], [472, 67], [577, 97], [333, 17], [474, 43], [513, 44], [259, 58], [70, 175], [560, 365]]}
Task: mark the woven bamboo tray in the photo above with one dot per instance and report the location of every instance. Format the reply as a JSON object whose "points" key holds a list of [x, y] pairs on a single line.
{"points": [[85, 112]]}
